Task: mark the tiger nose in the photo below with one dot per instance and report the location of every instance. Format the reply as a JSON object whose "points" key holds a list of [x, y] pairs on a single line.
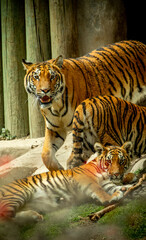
{"points": [[116, 174], [45, 90]]}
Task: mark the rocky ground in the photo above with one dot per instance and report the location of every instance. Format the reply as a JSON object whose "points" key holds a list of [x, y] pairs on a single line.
{"points": [[22, 157]]}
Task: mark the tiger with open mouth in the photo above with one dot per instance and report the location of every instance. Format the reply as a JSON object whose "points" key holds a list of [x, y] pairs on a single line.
{"points": [[60, 85]]}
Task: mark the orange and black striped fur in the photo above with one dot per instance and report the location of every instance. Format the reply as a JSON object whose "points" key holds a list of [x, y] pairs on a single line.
{"points": [[61, 85], [110, 121], [51, 190]]}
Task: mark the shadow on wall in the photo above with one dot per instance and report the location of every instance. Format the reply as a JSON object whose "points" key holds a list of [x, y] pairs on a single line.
{"points": [[135, 13]]}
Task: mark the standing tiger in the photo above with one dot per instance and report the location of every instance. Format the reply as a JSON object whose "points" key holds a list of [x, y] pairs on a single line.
{"points": [[61, 85], [50, 190], [110, 121]]}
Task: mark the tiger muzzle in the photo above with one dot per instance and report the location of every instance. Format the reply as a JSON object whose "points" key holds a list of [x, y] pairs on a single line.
{"points": [[116, 176]]}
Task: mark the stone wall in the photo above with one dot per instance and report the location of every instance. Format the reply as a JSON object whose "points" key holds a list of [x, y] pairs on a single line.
{"points": [[100, 23]]}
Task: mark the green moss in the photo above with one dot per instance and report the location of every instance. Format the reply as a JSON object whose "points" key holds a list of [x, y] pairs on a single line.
{"points": [[83, 211], [130, 219]]}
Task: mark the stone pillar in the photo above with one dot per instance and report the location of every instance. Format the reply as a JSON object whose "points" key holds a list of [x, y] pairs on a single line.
{"points": [[1, 87], [38, 49], [13, 50], [63, 23]]}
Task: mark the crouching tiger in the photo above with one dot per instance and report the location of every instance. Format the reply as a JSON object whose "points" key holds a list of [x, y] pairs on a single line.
{"points": [[110, 121], [60, 85], [50, 190]]}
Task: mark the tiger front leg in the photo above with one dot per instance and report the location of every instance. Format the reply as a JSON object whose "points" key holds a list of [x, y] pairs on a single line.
{"points": [[75, 160], [105, 198], [53, 141], [108, 192], [117, 192], [77, 156]]}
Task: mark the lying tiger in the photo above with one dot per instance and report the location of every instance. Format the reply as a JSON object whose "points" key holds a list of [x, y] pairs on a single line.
{"points": [[51, 190], [60, 85], [110, 121]]}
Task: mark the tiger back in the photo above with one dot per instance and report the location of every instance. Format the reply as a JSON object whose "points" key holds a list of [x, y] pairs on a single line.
{"points": [[110, 121], [60, 85], [48, 191]]}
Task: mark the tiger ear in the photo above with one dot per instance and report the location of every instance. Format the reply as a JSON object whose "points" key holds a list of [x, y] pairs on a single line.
{"points": [[128, 147], [58, 61], [26, 65], [99, 148]]}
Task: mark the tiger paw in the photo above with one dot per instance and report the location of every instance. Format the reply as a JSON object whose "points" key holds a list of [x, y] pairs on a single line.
{"points": [[129, 178], [116, 196], [29, 216]]}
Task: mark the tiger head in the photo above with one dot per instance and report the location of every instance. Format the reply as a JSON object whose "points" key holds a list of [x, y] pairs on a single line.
{"points": [[113, 159], [45, 81]]}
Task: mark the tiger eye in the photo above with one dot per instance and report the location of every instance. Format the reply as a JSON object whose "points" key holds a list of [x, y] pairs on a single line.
{"points": [[107, 163], [122, 160], [52, 76], [36, 77]]}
